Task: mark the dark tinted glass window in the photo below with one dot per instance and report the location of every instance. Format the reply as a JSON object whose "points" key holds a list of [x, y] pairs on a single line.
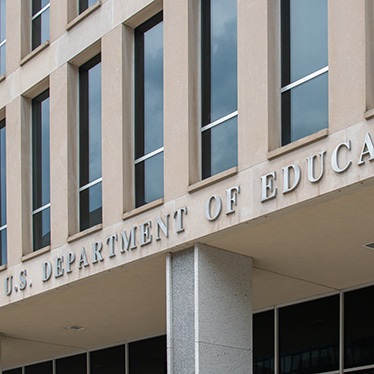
{"points": [[2, 36], [84, 4], [72, 365], [359, 327], [219, 86], [149, 115], [40, 22], [90, 143], [309, 336], [148, 356], [110, 360], [13, 371], [42, 368], [41, 171], [304, 52], [263, 342]]}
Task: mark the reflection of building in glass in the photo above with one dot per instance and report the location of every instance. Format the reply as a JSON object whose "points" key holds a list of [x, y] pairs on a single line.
{"points": [[186, 186]]}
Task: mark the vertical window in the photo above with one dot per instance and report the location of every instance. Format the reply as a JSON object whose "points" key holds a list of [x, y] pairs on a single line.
{"points": [[2, 36], [359, 327], [149, 112], [309, 336], [85, 4], [72, 365], [40, 22], [219, 86], [304, 89], [90, 191], [148, 356], [108, 360], [42, 368], [3, 221], [41, 172], [263, 342]]}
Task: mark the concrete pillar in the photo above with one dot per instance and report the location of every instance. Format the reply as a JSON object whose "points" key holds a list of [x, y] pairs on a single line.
{"points": [[209, 315], [18, 152], [64, 153], [117, 125]]}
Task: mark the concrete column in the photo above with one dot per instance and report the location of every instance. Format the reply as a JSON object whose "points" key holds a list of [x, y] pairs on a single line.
{"points": [[64, 154], [18, 152], [181, 20], [58, 17], [117, 125], [346, 63], [209, 314], [13, 35]]}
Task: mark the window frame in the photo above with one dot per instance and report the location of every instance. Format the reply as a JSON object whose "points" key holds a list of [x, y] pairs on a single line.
{"points": [[36, 166], [83, 5], [84, 125], [3, 40], [206, 94], [34, 17], [139, 110], [285, 43]]}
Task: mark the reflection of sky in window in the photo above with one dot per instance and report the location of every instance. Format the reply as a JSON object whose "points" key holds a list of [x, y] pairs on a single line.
{"points": [[41, 229], [2, 20], [94, 120], [45, 26], [153, 89], [46, 219], [3, 176], [2, 59], [223, 146], [308, 28], [223, 58], [45, 159], [94, 198], [38, 5], [154, 178], [309, 107], [3, 240]]}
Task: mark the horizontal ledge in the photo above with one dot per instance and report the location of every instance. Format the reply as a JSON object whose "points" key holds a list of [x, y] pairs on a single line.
{"points": [[369, 113], [213, 179], [36, 253], [35, 52], [143, 208], [83, 15], [84, 233], [298, 144]]}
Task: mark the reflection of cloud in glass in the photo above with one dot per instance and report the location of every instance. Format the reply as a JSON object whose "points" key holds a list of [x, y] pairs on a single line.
{"points": [[45, 153], [154, 178], [309, 107], [95, 199], [94, 92], [2, 20], [223, 58], [45, 26], [153, 88], [308, 28], [3, 240], [224, 146]]}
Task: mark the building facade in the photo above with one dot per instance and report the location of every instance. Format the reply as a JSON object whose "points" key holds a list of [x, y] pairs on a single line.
{"points": [[186, 186]]}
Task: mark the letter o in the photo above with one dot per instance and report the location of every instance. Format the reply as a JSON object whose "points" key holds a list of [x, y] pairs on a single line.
{"points": [[217, 210]]}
